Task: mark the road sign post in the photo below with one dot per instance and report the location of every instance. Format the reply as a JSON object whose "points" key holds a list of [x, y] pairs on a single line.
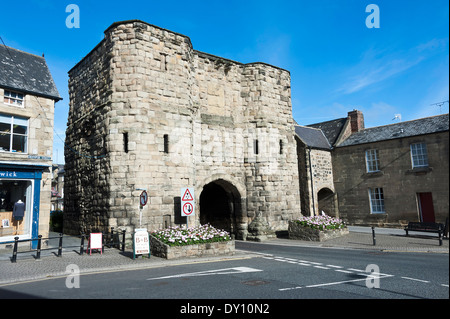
{"points": [[143, 198], [187, 203]]}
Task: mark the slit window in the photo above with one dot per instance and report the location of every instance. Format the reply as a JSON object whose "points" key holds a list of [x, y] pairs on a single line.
{"points": [[256, 146], [125, 142], [166, 143]]}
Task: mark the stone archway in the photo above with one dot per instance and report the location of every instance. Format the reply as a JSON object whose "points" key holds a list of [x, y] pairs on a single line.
{"points": [[326, 199], [221, 206]]}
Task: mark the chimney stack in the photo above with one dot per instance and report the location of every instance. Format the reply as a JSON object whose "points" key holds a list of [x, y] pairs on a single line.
{"points": [[356, 120]]}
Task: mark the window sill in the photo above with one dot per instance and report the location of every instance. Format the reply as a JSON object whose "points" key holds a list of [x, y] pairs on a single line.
{"points": [[373, 174], [419, 171]]}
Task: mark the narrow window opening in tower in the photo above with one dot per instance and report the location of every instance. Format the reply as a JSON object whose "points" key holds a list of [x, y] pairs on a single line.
{"points": [[125, 142], [166, 143]]}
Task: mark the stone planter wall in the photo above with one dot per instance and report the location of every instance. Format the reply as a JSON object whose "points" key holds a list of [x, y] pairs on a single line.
{"points": [[297, 231], [160, 249]]}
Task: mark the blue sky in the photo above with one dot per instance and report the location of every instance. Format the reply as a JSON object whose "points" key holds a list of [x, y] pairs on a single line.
{"points": [[337, 64]]}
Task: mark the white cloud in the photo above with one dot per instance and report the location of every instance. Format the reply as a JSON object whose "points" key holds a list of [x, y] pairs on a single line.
{"points": [[379, 65], [374, 68]]}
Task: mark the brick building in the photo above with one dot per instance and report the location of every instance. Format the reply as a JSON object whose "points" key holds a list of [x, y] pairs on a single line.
{"points": [[27, 99], [147, 111]]}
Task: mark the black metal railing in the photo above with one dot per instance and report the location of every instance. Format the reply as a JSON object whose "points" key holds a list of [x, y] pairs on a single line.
{"points": [[112, 239]]}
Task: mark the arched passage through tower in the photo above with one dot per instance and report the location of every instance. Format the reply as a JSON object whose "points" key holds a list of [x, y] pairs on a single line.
{"points": [[220, 205]]}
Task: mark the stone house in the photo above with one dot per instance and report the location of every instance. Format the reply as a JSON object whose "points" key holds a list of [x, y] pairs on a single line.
{"points": [[148, 111], [27, 99], [317, 192], [392, 174]]}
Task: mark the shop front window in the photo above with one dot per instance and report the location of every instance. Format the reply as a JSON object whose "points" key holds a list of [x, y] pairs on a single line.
{"points": [[15, 207]]}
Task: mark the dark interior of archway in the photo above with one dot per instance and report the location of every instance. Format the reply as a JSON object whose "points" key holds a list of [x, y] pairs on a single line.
{"points": [[326, 201], [215, 207]]}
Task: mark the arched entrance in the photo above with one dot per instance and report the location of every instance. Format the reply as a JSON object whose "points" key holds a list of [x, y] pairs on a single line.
{"points": [[325, 198], [220, 205]]}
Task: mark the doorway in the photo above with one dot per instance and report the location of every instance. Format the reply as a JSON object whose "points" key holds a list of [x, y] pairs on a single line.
{"points": [[426, 208], [15, 222], [220, 204]]}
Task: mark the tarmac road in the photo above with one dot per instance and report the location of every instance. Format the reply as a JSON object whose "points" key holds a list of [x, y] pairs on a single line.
{"points": [[276, 269]]}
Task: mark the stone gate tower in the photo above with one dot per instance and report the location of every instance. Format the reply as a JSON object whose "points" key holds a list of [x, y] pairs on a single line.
{"points": [[147, 111]]}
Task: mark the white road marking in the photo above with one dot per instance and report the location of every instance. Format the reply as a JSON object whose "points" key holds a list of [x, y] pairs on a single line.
{"points": [[368, 275], [333, 266], [321, 267], [344, 271], [426, 281], [357, 270], [303, 264], [330, 283], [226, 271]]}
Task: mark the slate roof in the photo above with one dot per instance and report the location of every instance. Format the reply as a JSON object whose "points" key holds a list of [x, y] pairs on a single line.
{"points": [[312, 137], [331, 129], [26, 72], [422, 126]]}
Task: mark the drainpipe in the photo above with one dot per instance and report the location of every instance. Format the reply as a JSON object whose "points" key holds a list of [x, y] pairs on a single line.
{"points": [[312, 182]]}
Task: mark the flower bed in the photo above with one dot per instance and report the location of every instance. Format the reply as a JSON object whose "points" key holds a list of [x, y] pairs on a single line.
{"points": [[178, 242], [316, 228], [181, 236], [321, 222]]}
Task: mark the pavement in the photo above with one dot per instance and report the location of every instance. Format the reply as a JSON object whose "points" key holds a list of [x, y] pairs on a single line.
{"points": [[28, 268]]}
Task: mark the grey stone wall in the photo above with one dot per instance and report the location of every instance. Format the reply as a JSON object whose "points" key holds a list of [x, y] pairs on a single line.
{"points": [[143, 87]]}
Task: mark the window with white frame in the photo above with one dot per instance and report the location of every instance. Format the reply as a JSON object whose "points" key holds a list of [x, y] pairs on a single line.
{"points": [[372, 161], [14, 98], [376, 197], [13, 133], [419, 155]]}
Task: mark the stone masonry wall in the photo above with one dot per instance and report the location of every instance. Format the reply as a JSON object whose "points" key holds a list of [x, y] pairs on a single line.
{"points": [[144, 89], [399, 181], [315, 164]]}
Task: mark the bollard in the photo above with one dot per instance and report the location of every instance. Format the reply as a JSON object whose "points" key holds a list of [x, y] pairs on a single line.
{"points": [[440, 235], [373, 236], [14, 256], [38, 250], [60, 245], [123, 240], [111, 238], [82, 244]]}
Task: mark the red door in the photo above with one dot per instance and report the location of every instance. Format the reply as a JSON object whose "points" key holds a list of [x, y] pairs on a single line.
{"points": [[426, 207]]}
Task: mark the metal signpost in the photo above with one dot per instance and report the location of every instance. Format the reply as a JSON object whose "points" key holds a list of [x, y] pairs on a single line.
{"points": [[143, 198], [187, 203]]}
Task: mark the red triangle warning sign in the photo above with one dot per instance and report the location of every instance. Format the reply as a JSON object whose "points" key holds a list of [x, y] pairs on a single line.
{"points": [[187, 196]]}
